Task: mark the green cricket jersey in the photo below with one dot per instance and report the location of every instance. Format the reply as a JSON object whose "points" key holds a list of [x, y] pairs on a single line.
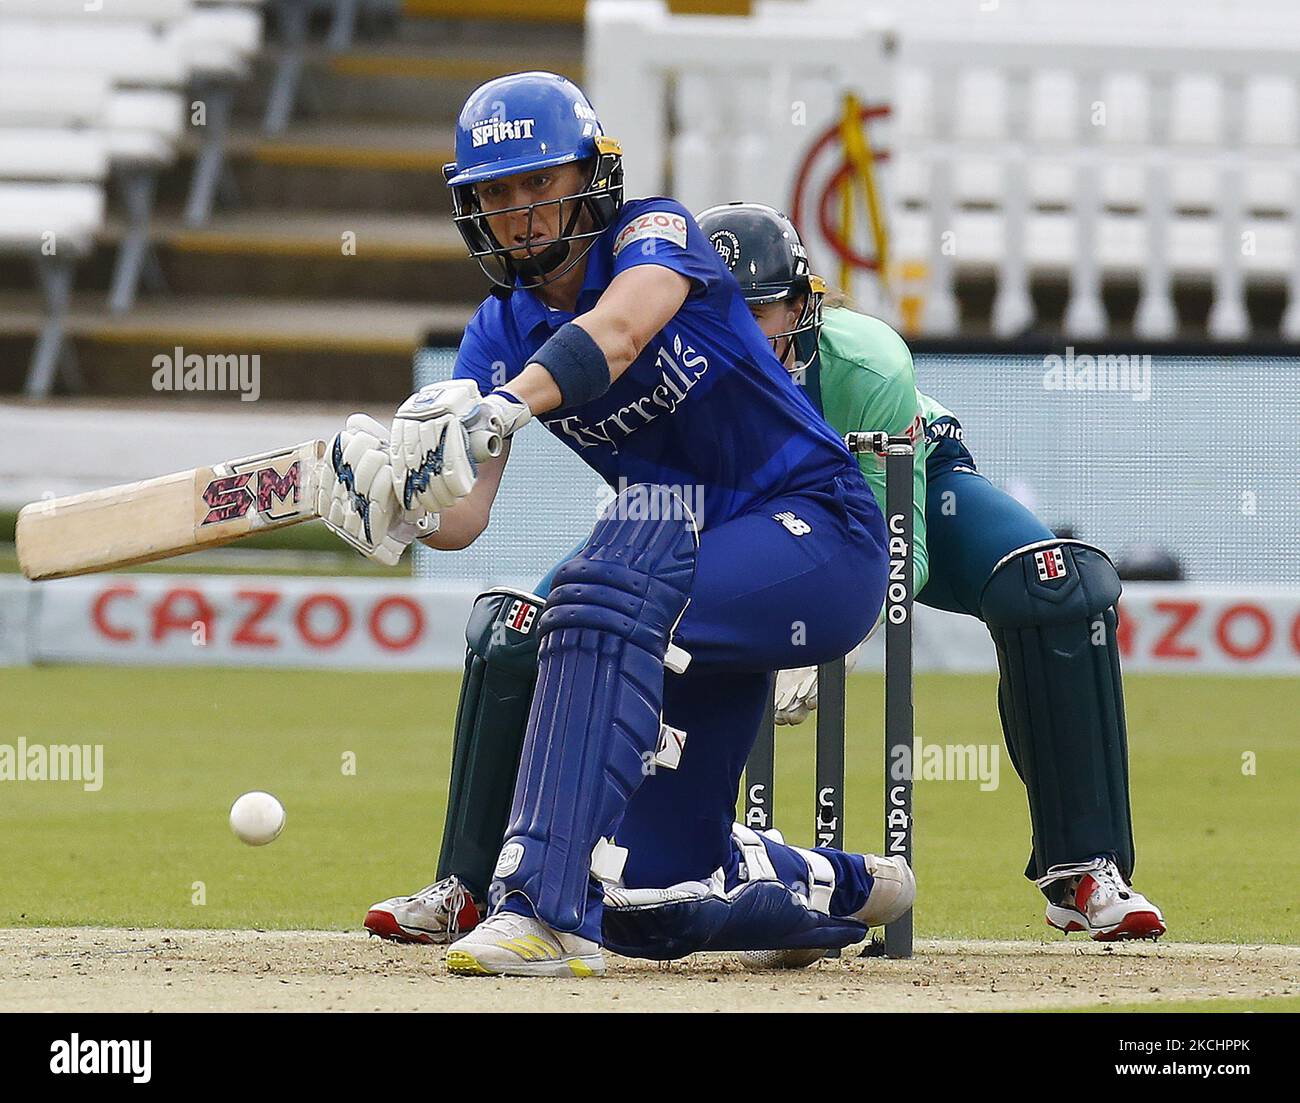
{"points": [[931, 411], [867, 383]]}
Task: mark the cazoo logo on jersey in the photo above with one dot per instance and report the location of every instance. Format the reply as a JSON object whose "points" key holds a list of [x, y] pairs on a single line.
{"points": [[501, 130], [679, 371], [653, 226]]}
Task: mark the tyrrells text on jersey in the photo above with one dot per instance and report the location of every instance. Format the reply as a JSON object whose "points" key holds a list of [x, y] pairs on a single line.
{"points": [[678, 373]]}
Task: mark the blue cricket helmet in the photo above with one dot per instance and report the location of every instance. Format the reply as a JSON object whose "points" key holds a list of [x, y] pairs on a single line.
{"points": [[522, 123]]}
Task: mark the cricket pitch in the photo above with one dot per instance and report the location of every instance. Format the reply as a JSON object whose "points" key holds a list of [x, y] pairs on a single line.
{"points": [[109, 969]]}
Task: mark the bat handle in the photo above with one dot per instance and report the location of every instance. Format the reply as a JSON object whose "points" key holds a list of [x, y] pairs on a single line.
{"points": [[485, 444], [486, 434]]}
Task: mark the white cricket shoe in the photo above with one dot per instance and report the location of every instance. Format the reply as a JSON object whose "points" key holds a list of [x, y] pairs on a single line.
{"points": [[512, 945], [437, 914], [1100, 902], [893, 891]]}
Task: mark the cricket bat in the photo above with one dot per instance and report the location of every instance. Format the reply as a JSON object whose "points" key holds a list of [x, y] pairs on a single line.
{"points": [[171, 515], [143, 522]]}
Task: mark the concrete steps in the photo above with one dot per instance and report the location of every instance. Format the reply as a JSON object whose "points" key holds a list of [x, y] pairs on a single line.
{"points": [[328, 349], [401, 80], [388, 258], [562, 13], [269, 273], [334, 166]]}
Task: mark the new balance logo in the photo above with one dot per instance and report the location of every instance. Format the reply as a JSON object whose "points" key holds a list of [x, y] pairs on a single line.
{"points": [[792, 523]]}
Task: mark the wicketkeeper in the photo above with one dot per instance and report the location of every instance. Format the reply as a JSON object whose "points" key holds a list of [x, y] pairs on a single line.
{"points": [[1048, 603]]}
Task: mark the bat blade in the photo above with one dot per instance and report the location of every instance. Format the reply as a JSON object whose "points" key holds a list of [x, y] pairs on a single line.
{"points": [[158, 518]]}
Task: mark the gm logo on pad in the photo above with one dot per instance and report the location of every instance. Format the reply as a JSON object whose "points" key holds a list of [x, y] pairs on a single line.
{"points": [[508, 860]]}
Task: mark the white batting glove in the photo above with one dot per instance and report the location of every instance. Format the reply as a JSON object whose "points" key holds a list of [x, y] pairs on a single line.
{"points": [[429, 445], [438, 434], [796, 690], [358, 502]]}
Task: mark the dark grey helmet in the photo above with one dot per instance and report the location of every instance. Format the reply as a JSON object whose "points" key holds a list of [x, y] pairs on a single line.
{"points": [[762, 249]]}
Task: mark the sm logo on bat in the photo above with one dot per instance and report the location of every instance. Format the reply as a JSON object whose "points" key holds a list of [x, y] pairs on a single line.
{"points": [[265, 489]]}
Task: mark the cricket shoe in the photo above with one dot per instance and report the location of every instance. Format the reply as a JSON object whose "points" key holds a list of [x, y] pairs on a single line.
{"points": [[512, 945], [437, 914], [1099, 901], [893, 890]]}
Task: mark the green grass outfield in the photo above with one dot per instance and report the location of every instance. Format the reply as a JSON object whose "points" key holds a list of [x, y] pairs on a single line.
{"points": [[1216, 846]]}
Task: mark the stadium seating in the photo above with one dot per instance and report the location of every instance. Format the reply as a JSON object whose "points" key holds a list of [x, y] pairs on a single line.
{"points": [[233, 237], [54, 159], [88, 89], [218, 40], [292, 20], [1044, 142]]}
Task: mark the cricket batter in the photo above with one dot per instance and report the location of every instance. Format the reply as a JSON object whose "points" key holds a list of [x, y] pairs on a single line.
{"points": [[977, 552], [742, 539]]}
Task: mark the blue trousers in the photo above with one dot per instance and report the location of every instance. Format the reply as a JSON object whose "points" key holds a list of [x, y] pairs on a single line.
{"points": [[768, 594]]}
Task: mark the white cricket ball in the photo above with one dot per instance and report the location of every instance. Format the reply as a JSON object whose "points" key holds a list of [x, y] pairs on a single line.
{"points": [[257, 818]]}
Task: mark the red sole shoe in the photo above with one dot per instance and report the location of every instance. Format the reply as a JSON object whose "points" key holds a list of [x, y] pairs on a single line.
{"points": [[383, 925], [1134, 925]]}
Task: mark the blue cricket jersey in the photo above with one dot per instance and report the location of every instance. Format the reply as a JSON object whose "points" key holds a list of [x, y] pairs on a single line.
{"points": [[706, 405]]}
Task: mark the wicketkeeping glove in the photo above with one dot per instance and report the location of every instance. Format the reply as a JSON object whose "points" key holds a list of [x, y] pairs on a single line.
{"points": [[796, 694], [359, 502], [796, 690]]}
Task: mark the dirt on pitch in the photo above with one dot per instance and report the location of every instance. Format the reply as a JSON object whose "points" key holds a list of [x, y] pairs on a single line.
{"points": [[147, 970]]}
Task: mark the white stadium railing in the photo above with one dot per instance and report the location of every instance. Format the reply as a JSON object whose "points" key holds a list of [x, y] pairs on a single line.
{"points": [[1051, 155], [1150, 142], [712, 109]]}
